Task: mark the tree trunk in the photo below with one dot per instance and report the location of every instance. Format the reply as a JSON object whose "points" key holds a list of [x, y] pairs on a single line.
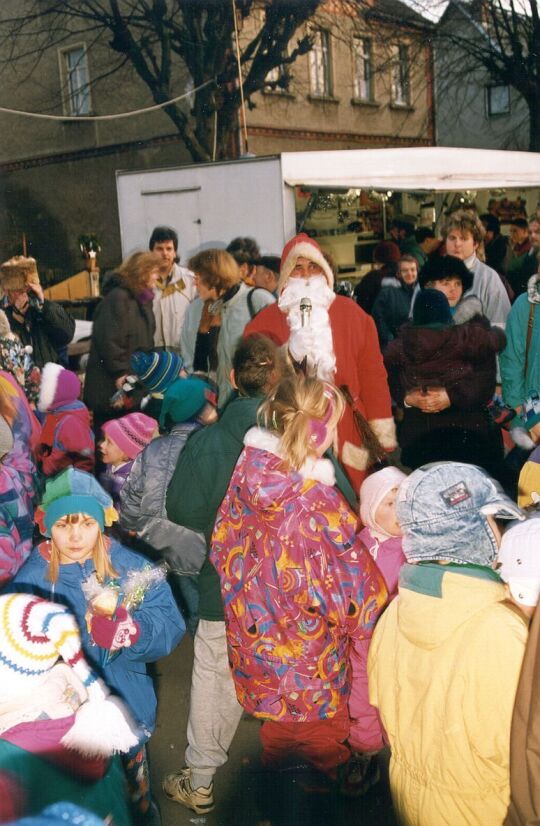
{"points": [[534, 125]]}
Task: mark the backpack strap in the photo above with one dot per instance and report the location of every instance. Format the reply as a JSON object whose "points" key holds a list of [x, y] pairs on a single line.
{"points": [[252, 311]]}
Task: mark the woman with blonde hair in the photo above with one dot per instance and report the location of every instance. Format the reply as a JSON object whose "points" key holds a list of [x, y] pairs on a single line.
{"points": [[296, 582], [124, 607], [123, 323], [215, 321]]}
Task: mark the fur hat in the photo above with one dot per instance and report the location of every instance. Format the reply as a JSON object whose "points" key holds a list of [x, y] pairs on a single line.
{"points": [[519, 558], [445, 266], [58, 386], [18, 272], [156, 371], [431, 309], [302, 246], [184, 399], [74, 491], [131, 433], [374, 488], [34, 635], [442, 509]]}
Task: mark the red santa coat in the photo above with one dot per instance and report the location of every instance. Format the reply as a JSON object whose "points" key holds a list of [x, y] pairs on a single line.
{"points": [[359, 365]]}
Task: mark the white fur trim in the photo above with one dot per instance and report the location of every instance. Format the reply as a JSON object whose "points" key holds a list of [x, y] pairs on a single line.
{"points": [[321, 470], [385, 431], [354, 456], [309, 251], [49, 381]]}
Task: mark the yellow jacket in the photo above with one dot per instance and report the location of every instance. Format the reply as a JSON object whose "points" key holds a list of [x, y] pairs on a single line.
{"points": [[444, 665]]}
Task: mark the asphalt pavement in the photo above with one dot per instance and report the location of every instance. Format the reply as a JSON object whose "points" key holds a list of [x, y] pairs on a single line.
{"points": [[245, 793]]}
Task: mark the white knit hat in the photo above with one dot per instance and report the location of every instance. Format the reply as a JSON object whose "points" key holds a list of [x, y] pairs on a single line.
{"points": [[34, 635], [373, 491]]}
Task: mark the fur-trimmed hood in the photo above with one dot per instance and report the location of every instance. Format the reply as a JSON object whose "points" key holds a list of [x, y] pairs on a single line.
{"points": [[268, 482]]}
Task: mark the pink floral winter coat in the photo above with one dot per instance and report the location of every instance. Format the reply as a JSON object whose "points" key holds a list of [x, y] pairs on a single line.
{"points": [[296, 583]]}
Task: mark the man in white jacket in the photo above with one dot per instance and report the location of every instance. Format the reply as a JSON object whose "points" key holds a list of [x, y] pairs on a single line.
{"points": [[173, 293], [463, 234]]}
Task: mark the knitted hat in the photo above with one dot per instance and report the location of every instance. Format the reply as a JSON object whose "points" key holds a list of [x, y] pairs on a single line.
{"points": [[74, 491], [156, 371], [431, 309], [184, 399], [373, 491], [519, 558], [131, 433], [529, 484], [6, 437], [18, 272], [446, 266], [58, 386], [442, 510], [34, 635], [386, 252], [5, 329], [302, 246]]}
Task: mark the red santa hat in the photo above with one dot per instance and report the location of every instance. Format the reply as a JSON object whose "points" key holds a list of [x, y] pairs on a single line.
{"points": [[302, 246]]}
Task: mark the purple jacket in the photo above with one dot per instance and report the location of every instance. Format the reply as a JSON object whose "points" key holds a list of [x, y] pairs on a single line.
{"points": [[113, 480]]}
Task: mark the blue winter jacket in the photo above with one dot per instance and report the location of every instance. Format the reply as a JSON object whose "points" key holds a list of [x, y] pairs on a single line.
{"points": [[160, 621]]}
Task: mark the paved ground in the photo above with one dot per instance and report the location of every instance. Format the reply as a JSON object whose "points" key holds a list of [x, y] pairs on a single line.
{"points": [[246, 795]]}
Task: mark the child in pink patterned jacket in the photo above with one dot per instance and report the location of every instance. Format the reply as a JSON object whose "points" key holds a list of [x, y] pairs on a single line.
{"points": [[382, 538], [296, 581]]}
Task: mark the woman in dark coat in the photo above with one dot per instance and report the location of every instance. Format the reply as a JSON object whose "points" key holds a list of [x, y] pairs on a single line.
{"points": [[392, 306], [123, 323], [443, 374]]}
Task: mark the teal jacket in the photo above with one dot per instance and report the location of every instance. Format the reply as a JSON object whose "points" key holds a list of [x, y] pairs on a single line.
{"points": [[517, 386], [201, 479]]}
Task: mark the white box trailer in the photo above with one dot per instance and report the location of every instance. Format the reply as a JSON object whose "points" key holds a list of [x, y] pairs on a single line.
{"points": [[209, 204]]}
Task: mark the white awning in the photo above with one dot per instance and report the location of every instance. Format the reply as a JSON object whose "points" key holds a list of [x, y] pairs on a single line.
{"points": [[432, 168]]}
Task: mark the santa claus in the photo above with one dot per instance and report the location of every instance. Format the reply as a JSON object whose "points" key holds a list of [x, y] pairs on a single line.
{"points": [[336, 341]]}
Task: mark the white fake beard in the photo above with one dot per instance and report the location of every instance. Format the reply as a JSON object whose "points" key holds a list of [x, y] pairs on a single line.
{"points": [[313, 341]]}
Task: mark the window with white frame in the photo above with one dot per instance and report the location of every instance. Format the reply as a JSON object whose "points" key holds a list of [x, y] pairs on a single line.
{"points": [[400, 75], [363, 68], [320, 68], [277, 75], [498, 100], [75, 80]]}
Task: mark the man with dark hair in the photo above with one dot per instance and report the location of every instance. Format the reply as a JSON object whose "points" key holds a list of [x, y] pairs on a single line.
{"points": [[174, 292], [266, 273], [496, 245], [522, 265], [246, 253]]}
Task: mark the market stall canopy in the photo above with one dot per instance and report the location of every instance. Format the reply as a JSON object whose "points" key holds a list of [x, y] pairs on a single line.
{"points": [[432, 168]]}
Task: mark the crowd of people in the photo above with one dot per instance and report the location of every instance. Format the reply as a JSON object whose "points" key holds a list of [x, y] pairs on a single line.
{"points": [[335, 496]]}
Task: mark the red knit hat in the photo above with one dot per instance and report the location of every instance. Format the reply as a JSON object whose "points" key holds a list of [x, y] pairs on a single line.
{"points": [[302, 246], [386, 252], [131, 433]]}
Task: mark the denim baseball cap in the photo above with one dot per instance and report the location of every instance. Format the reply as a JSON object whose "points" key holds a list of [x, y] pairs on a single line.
{"points": [[442, 509]]}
